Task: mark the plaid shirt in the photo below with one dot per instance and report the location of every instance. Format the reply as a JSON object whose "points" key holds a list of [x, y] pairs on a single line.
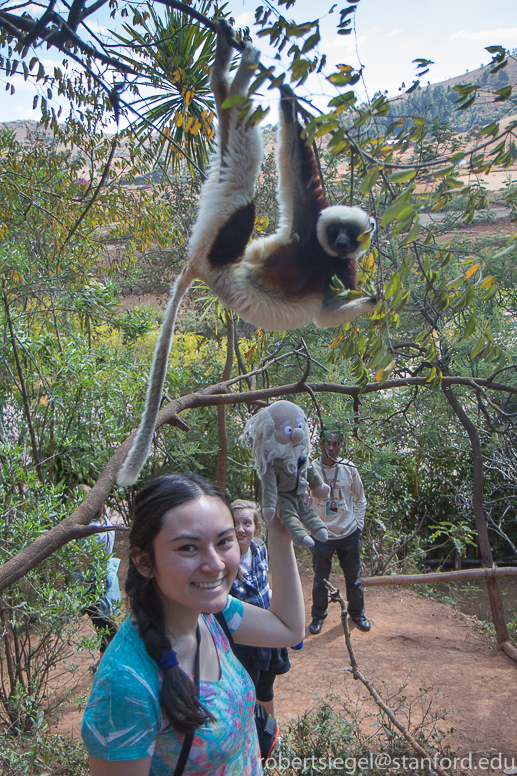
{"points": [[253, 588]]}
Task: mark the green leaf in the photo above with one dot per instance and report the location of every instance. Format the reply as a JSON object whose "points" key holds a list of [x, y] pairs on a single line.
{"points": [[312, 41], [489, 294], [397, 210], [503, 94], [470, 327], [370, 180], [343, 100], [237, 99], [459, 303], [392, 286], [478, 348], [490, 129], [442, 301], [411, 235], [402, 176]]}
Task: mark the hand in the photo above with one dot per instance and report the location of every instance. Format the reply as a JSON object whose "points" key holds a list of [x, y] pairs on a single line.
{"points": [[322, 491], [268, 513]]}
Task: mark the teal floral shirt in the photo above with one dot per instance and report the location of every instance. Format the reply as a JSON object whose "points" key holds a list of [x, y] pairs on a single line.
{"points": [[123, 719]]}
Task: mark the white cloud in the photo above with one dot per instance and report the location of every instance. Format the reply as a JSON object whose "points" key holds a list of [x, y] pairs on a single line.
{"points": [[244, 19], [484, 35], [344, 44], [393, 32]]}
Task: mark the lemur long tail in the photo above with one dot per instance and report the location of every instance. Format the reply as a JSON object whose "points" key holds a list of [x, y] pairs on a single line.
{"points": [[141, 446]]}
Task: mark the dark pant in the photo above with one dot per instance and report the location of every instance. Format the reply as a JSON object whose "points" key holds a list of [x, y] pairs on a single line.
{"points": [[349, 555], [104, 626], [263, 665]]}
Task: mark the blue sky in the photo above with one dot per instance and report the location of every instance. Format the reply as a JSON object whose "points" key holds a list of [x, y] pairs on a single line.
{"points": [[388, 36]]}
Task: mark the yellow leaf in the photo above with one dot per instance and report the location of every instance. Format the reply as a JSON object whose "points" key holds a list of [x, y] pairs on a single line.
{"points": [[471, 270], [189, 96], [364, 238], [488, 282]]}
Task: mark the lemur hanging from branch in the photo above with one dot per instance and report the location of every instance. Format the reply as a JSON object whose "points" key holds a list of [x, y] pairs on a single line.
{"points": [[278, 282]]}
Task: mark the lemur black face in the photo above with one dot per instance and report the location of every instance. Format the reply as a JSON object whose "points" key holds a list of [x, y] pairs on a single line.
{"points": [[342, 238]]}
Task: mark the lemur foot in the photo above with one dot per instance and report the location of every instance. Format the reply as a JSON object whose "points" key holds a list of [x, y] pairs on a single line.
{"points": [[250, 56], [225, 35]]}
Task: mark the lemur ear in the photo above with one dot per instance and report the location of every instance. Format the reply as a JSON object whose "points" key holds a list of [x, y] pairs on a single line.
{"points": [[373, 226]]}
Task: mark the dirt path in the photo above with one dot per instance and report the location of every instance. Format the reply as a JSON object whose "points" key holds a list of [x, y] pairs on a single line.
{"points": [[424, 646], [430, 650]]}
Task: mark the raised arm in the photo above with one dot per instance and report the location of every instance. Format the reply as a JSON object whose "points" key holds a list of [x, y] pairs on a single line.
{"points": [[283, 624]]}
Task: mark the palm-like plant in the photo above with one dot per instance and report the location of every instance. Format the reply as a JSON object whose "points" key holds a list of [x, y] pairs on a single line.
{"points": [[176, 57]]}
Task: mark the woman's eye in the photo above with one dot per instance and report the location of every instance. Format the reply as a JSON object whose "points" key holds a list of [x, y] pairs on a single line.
{"points": [[288, 430], [187, 548], [226, 541]]}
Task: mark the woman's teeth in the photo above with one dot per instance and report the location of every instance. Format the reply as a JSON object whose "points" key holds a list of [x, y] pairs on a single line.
{"points": [[208, 585]]}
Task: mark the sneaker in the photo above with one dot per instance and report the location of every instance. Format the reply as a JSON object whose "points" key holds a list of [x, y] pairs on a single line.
{"points": [[362, 623], [315, 626]]}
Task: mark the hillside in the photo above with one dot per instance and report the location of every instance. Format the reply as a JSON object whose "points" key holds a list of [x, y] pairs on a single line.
{"points": [[440, 99]]}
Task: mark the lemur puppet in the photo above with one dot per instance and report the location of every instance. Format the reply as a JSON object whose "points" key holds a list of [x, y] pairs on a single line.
{"points": [[281, 445], [278, 282]]}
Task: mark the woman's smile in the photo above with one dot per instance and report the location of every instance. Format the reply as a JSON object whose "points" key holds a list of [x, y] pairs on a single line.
{"points": [[209, 585]]}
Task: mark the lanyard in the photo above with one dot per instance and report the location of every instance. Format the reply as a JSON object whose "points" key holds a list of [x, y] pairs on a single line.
{"points": [[187, 742], [332, 487]]}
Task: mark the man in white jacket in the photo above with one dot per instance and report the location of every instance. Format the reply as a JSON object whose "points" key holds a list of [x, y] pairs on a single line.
{"points": [[343, 514]]}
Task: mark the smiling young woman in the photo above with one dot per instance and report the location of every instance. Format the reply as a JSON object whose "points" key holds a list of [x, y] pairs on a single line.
{"points": [[184, 556]]}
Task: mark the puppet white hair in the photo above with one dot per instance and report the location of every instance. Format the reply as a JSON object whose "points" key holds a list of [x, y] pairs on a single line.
{"points": [[260, 428]]}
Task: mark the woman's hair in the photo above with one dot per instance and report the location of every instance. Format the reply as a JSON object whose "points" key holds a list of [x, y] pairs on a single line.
{"points": [[178, 696], [254, 507]]}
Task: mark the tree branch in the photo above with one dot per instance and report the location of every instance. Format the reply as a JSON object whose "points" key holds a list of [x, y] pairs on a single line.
{"points": [[69, 529]]}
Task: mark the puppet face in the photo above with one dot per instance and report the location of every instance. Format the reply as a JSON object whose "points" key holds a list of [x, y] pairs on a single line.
{"points": [[290, 423]]}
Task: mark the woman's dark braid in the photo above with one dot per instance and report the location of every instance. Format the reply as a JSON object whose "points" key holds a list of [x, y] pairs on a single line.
{"points": [[178, 696]]}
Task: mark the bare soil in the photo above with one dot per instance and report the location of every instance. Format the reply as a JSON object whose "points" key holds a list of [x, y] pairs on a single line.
{"points": [[417, 648]]}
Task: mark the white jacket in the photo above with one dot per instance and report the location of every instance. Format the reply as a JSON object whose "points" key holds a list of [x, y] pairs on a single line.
{"points": [[349, 495]]}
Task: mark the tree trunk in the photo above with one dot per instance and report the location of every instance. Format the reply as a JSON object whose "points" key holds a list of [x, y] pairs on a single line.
{"points": [[222, 436], [494, 594]]}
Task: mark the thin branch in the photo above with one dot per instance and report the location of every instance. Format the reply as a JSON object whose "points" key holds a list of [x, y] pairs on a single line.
{"points": [[336, 597], [23, 389]]}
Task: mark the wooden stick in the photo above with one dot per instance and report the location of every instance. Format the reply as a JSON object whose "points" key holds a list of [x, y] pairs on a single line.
{"points": [[336, 597], [442, 576]]}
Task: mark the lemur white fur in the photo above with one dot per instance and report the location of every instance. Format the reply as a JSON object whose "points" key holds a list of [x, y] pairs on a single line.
{"points": [[242, 283]]}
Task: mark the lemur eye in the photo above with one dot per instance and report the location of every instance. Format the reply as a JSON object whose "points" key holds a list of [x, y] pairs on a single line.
{"points": [[301, 424], [288, 430]]}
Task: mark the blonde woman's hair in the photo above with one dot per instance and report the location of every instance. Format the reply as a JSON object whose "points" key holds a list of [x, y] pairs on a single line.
{"points": [[241, 503]]}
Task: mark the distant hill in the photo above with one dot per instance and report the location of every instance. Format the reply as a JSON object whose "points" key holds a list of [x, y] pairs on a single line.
{"points": [[440, 99], [434, 99]]}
